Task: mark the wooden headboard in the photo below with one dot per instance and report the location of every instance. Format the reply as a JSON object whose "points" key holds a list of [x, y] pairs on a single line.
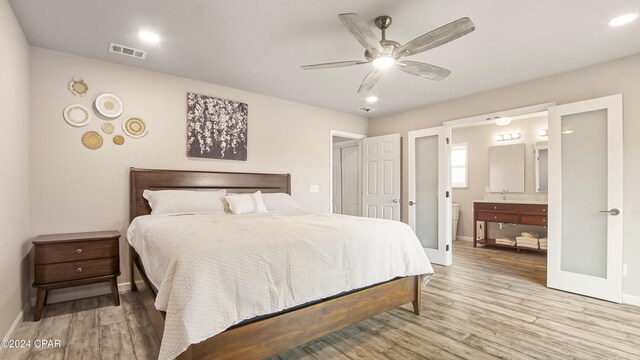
{"points": [[141, 179]]}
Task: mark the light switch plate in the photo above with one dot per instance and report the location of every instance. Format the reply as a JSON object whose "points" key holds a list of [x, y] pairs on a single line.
{"points": [[314, 188]]}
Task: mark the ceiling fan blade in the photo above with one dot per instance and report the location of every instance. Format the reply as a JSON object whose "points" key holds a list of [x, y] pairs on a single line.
{"points": [[423, 70], [437, 37], [333, 64], [362, 32], [369, 81]]}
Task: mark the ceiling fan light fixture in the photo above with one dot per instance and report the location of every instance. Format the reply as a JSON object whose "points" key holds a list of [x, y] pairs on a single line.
{"points": [[623, 19], [383, 62]]}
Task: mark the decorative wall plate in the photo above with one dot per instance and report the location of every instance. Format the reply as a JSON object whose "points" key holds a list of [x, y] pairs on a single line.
{"points": [[107, 128], [78, 87], [109, 105], [92, 140], [77, 115], [118, 139], [134, 128]]}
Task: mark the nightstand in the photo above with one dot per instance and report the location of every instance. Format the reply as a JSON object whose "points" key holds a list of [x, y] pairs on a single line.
{"points": [[65, 260]]}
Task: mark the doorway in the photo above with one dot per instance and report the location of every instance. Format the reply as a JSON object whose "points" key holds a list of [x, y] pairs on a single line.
{"points": [[583, 212], [365, 175]]}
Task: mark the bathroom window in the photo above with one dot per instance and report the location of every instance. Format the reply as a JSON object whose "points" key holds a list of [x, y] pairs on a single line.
{"points": [[459, 166]]}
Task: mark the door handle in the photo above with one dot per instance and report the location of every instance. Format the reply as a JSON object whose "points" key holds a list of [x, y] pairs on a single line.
{"points": [[395, 201], [411, 203], [612, 212]]}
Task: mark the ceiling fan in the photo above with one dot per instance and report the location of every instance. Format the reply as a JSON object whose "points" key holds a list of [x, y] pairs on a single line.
{"points": [[386, 53]]}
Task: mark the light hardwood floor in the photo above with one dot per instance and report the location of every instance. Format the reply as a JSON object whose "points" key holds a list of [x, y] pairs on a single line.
{"points": [[490, 304]]}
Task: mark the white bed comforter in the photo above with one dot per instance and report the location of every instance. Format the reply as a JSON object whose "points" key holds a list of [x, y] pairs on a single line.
{"points": [[216, 270]]}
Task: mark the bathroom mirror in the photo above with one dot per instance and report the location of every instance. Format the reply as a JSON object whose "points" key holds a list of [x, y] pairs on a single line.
{"points": [[541, 153], [506, 168]]}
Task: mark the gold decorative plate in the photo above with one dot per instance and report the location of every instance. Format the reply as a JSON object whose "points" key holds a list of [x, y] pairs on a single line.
{"points": [[134, 128], [92, 140], [118, 139], [78, 87], [76, 115], [109, 105], [107, 128]]}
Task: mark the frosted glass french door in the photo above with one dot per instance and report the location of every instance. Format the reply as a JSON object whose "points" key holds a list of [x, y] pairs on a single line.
{"points": [[429, 201], [585, 198]]}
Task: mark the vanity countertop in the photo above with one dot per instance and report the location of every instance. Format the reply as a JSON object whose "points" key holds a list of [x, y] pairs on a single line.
{"points": [[512, 201]]}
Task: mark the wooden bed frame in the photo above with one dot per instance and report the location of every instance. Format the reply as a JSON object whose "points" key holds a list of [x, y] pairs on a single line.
{"points": [[275, 333]]}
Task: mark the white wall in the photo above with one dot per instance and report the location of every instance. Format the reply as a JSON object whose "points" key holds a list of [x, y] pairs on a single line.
{"points": [[76, 189], [478, 140], [14, 162], [615, 77]]}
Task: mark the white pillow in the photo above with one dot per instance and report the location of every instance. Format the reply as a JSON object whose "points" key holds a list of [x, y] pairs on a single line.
{"points": [[246, 203], [164, 202], [280, 202]]}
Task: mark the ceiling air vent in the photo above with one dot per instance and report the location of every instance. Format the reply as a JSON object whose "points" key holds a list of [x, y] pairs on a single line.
{"points": [[127, 51], [367, 109]]}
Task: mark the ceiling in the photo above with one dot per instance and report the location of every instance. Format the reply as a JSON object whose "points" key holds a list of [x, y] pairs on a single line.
{"points": [[258, 46]]}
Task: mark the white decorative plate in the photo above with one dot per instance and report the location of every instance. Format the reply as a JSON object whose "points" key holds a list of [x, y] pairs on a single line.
{"points": [[109, 105], [77, 115], [134, 128]]}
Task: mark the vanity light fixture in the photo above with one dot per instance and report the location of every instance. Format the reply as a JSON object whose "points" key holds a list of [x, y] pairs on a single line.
{"points": [[543, 132], [502, 121], [508, 136], [623, 19]]}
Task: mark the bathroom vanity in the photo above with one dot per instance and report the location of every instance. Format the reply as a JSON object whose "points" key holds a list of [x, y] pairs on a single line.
{"points": [[509, 212]]}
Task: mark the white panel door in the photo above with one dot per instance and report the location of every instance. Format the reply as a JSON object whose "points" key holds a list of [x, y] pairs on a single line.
{"points": [[585, 198], [381, 177], [350, 180], [429, 190]]}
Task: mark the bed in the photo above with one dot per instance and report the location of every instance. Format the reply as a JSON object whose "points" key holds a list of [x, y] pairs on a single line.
{"points": [[280, 324]]}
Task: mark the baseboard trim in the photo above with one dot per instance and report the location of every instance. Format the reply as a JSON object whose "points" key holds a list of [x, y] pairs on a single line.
{"points": [[464, 238], [14, 326], [82, 292], [631, 300]]}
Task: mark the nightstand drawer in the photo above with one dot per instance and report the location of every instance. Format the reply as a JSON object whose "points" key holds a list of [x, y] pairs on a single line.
{"points": [[74, 251], [75, 270]]}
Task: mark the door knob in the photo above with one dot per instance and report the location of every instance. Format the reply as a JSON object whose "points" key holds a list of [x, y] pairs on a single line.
{"points": [[411, 203], [395, 201], [613, 212]]}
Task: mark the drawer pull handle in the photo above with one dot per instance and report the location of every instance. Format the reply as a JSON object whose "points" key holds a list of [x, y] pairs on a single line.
{"points": [[79, 251], [495, 208], [79, 269], [495, 217]]}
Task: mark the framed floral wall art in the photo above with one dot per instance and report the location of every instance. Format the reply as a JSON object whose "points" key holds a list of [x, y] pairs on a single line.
{"points": [[216, 128]]}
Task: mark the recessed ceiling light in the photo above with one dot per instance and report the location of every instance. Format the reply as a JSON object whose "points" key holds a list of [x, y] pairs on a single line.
{"points": [[384, 62], [623, 19], [149, 37], [502, 121], [372, 99]]}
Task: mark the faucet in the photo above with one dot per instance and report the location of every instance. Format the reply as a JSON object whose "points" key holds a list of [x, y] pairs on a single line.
{"points": [[503, 193]]}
